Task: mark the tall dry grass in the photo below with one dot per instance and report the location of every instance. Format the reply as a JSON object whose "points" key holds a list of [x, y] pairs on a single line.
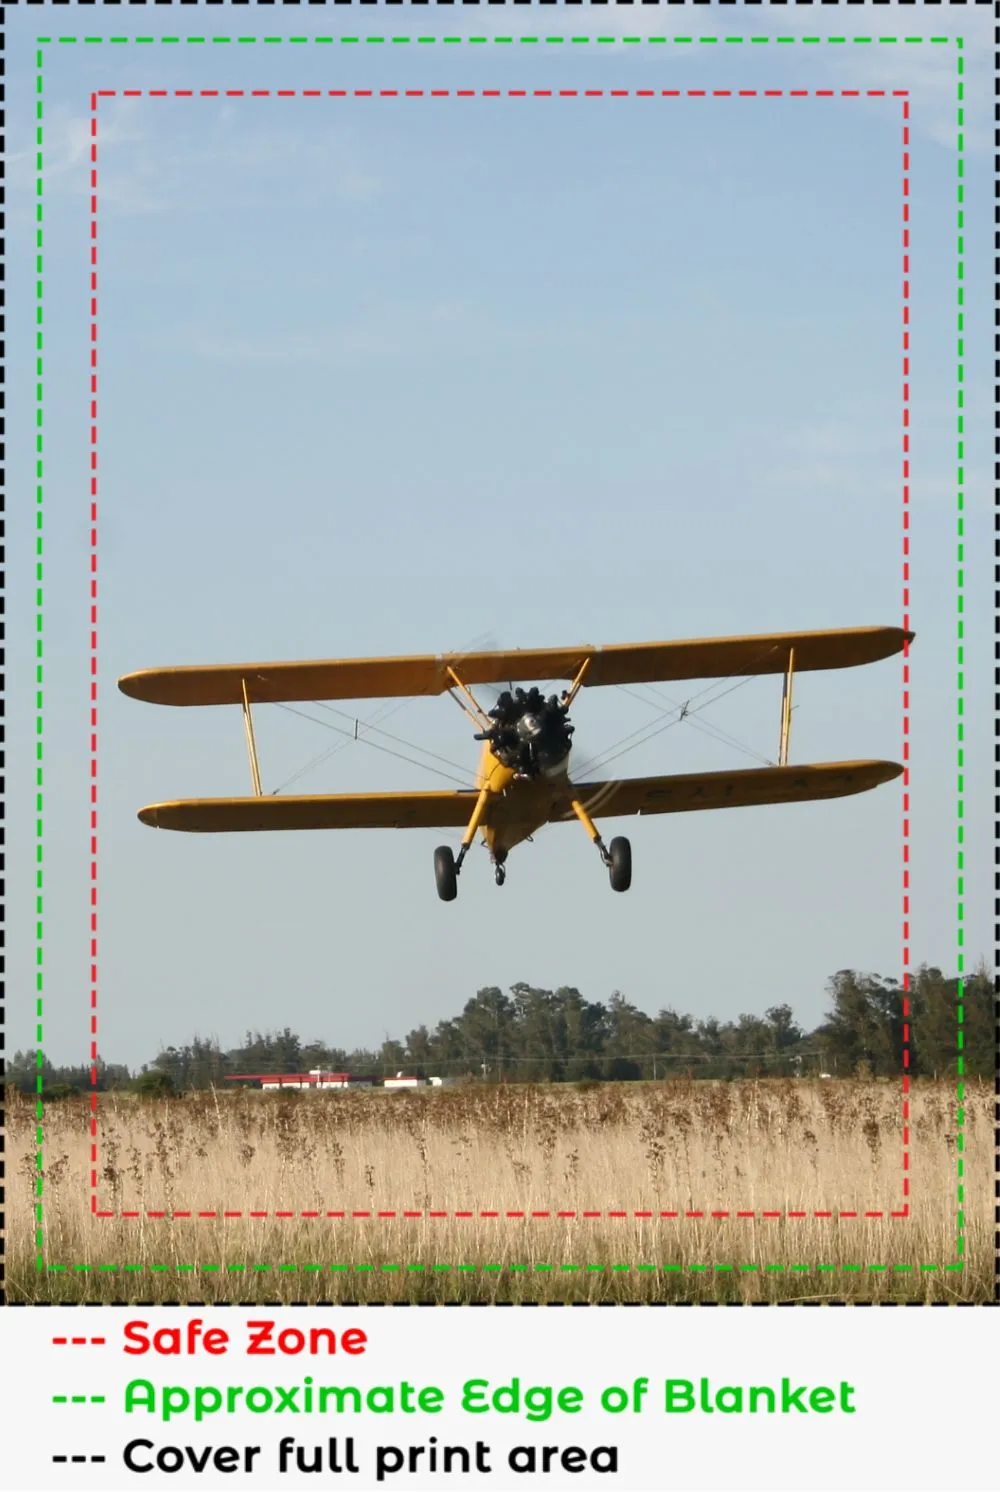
{"points": [[764, 1146]]}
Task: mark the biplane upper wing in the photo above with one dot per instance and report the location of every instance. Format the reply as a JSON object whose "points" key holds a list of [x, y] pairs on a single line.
{"points": [[740, 789], [444, 810], [620, 663]]}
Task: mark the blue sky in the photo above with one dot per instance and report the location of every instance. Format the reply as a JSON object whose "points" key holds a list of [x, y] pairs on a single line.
{"points": [[391, 375]]}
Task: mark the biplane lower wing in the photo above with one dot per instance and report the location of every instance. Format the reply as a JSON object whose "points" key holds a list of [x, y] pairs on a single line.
{"points": [[693, 791], [451, 810], [445, 810], [432, 674]]}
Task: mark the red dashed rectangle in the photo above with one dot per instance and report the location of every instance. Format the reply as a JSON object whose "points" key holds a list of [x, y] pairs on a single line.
{"points": [[471, 1213]]}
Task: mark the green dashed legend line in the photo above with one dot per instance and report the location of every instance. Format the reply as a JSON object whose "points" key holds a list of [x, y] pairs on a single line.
{"points": [[535, 1268], [497, 41], [39, 660]]}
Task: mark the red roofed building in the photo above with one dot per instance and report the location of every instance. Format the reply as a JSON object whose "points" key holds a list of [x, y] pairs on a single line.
{"points": [[315, 1078]]}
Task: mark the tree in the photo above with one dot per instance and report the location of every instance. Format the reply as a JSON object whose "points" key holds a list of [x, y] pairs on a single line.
{"points": [[582, 1029], [392, 1057], [536, 1034], [153, 1083], [628, 1037], [485, 1030], [785, 1036], [864, 1031], [418, 1044], [934, 1016]]}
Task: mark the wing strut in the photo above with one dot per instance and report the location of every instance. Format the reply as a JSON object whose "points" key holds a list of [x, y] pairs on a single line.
{"points": [[251, 743], [483, 721], [786, 711], [480, 718], [472, 826], [591, 827], [577, 684]]}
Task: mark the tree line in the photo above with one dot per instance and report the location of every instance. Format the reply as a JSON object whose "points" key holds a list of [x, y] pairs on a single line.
{"points": [[946, 1027]]}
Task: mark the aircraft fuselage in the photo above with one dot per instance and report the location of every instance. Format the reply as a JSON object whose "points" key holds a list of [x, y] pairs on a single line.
{"points": [[525, 767]]}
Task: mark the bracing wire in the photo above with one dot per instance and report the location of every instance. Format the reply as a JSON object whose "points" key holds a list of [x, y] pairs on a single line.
{"points": [[617, 749], [685, 713], [611, 753], [382, 713], [462, 781], [400, 740], [707, 728]]}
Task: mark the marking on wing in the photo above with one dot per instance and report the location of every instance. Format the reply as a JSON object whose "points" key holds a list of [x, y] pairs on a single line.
{"points": [[594, 803]]}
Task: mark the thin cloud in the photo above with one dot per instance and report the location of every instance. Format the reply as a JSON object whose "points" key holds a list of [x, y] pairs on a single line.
{"points": [[393, 333], [832, 457], [927, 69], [143, 171]]}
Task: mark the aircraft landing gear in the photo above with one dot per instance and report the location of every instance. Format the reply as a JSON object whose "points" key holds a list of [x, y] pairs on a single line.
{"points": [[446, 872], [618, 859], [499, 874]]}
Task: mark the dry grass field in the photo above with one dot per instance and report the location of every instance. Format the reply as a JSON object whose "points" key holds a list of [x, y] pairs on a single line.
{"points": [[782, 1146]]}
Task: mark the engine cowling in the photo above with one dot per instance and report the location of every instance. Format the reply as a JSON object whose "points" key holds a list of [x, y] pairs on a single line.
{"points": [[532, 734]]}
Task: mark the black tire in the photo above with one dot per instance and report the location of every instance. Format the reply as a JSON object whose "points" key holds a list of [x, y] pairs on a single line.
{"points": [[620, 869], [445, 873]]}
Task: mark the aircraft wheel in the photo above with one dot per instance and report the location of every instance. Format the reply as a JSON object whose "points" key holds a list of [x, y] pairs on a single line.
{"points": [[620, 867], [445, 873]]}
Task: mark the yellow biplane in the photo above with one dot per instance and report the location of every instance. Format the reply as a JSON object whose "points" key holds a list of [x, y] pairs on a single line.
{"points": [[523, 779]]}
